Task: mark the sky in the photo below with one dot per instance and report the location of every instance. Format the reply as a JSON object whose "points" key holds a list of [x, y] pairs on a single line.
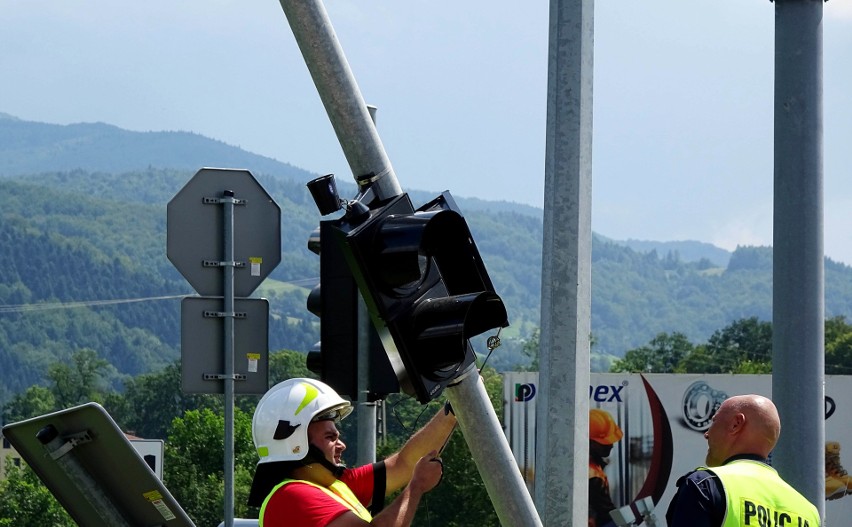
{"points": [[683, 97]]}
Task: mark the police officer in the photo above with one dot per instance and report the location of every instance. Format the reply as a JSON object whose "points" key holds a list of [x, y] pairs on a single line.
{"points": [[738, 487], [300, 480]]}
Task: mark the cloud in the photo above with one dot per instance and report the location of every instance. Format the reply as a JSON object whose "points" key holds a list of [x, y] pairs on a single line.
{"points": [[753, 227]]}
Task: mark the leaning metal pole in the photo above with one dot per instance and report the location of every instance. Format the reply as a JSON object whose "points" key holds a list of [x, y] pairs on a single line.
{"points": [[342, 98], [354, 123], [376, 179], [491, 453], [798, 305]]}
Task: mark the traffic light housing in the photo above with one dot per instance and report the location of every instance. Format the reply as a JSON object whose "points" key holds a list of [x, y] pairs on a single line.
{"points": [[335, 300], [425, 286]]}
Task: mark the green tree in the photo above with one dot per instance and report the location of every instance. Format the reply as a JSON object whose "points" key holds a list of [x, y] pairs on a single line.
{"points": [[24, 500], [838, 346], [747, 339], [753, 367], [696, 361], [36, 400], [744, 346], [531, 349], [81, 381], [152, 401], [194, 463], [532, 345], [287, 364], [663, 354]]}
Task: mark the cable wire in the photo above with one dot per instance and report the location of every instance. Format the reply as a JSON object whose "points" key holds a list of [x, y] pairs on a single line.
{"points": [[26, 308]]}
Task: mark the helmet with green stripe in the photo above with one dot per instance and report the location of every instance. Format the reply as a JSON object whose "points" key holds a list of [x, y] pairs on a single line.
{"points": [[280, 424]]}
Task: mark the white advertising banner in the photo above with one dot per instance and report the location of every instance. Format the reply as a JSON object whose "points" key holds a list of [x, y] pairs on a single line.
{"points": [[663, 418]]}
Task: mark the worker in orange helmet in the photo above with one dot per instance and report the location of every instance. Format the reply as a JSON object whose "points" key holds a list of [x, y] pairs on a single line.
{"points": [[603, 433]]}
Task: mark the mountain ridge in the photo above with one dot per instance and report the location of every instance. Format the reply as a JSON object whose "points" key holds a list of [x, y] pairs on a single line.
{"points": [[30, 147], [83, 264]]}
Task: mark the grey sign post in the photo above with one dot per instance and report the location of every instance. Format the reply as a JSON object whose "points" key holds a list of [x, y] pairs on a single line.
{"points": [[224, 236]]}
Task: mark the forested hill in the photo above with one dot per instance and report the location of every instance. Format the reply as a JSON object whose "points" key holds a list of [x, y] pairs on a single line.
{"points": [[83, 265], [28, 147]]}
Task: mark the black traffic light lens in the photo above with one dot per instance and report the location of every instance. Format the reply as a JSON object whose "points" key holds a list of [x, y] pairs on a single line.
{"points": [[402, 261], [442, 327], [313, 361]]}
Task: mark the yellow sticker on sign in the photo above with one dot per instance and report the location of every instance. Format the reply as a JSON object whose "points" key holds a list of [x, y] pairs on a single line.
{"points": [[252, 361], [153, 495], [255, 262]]}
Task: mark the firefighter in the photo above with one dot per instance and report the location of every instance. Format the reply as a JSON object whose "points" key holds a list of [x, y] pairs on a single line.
{"points": [[300, 480]]}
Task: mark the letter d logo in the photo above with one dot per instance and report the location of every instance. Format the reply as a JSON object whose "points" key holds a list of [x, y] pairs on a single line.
{"points": [[524, 392]]}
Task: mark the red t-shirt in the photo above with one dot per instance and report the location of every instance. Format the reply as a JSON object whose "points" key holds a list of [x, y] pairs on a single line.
{"points": [[302, 505]]}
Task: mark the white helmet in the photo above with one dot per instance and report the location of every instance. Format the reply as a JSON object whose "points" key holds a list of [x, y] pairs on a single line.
{"points": [[279, 427]]}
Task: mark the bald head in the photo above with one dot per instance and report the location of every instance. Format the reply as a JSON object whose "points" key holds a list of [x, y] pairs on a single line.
{"points": [[744, 424]]}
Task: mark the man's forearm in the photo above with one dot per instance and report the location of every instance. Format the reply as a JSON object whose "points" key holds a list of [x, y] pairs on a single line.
{"points": [[400, 513], [431, 437]]}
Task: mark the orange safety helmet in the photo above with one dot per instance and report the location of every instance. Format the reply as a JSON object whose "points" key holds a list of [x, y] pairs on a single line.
{"points": [[602, 427]]}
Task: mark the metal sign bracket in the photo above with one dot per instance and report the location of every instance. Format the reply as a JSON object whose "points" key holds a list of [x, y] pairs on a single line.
{"points": [[222, 377], [71, 441]]}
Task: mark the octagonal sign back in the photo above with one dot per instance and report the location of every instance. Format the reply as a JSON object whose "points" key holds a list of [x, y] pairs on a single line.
{"points": [[195, 231]]}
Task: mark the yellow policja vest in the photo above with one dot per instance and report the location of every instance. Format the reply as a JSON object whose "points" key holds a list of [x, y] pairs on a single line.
{"points": [[758, 497]]}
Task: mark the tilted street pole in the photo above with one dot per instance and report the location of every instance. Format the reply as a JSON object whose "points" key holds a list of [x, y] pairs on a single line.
{"points": [[363, 149], [493, 457], [339, 92]]}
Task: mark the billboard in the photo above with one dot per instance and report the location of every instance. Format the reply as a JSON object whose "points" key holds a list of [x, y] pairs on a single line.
{"points": [[653, 425]]}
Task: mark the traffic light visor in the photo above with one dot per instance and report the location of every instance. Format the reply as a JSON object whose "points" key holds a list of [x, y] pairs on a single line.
{"points": [[442, 327]]}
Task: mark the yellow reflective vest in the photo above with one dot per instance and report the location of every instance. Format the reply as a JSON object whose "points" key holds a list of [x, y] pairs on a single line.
{"points": [[758, 497], [338, 490]]}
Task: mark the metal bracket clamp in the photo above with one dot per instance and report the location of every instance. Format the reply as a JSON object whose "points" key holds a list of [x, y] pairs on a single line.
{"points": [[222, 314], [71, 441], [226, 199], [216, 263], [222, 377]]}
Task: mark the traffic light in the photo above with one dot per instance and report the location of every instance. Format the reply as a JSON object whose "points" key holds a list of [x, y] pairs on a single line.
{"points": [[335, 300], [425, 286]]}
